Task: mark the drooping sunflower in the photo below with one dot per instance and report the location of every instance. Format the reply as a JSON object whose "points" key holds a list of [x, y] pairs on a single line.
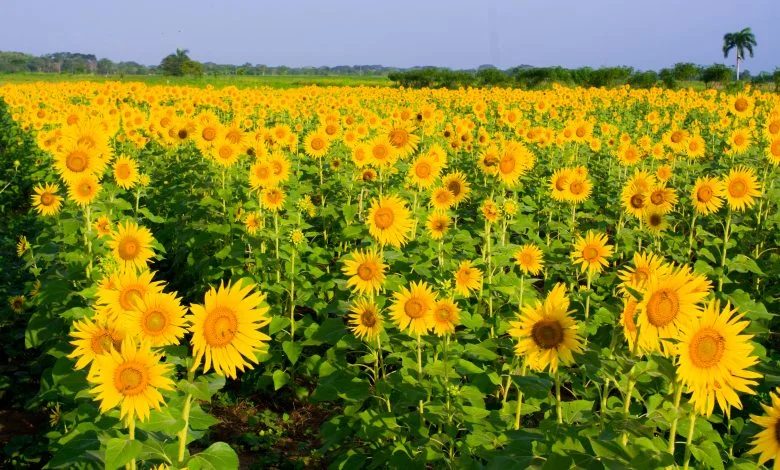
{"points": [[766, 443], [714, 359], [669, 301], [226, 328], [366, 271], [132, 246], [530, 259], [457, 184], [94, 338], [125, 172], [45, 200], [130, 379], [412, 309], [273, 198], [437, 225], [316, 144], [389, 221], [83, 189], [157, 317], [546, 334], [446, 316], [741, 188], [467, 278], [707, 195], [591, 252], [365, 320]]}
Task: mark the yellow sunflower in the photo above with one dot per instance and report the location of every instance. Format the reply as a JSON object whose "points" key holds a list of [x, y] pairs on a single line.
{"points": [[707, 195], [103, 226], [132, 246], [530, 259], [253, 222], [273, 199], [122, 290], [767, 442], [646, 266], [261, 175], [381, 153], [490, 210], [94, 338], [514, 161], [130, 379], [389, 221], [457, 184], [741, 188], [413, 308], [442, 199], [423, 172], [365, 320], [773, 151], [437, 225], [661, 198], [78, 161], [83, 189], [739, 141], [546, 334], [714, 359], [403, 139], [45, 200], [591, 252], [467, 278], [126, 172], [366, 271], [316, 144], [446, 316], [578, 189], [156, 317], [559, 184], [634, 200], [741, 105], [226, 328]]}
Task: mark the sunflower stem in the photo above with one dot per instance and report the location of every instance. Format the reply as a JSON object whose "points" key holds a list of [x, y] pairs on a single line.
{"points": [[627, 405], [692, 234], [689, 441], [131, 433], [673, 428], [276, 245], [726, 235], [419, 368], [292, 296], [519, 407], [603, 408], [185, 415], [558, 409], [446, 375]]}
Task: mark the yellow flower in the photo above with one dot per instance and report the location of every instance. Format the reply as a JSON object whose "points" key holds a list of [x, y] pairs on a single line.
{"points": [[741, 188], [365, 320], [766, 443], [591, 252], [530, 259], [389, 221], [45, 200], [413, 308], [446, 316], [366, 271], [467, 278], [132, 246], [706, 195]]}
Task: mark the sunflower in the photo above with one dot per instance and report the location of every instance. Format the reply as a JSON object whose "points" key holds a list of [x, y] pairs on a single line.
{"points": [[629, 155], [741, 105], [514, 161], [22, 246], [446, 316], [467, 278], [273, 199], [668, 302], [103, 226], [656, 221], [634, 200], [413, 308], [695, 146], [131, 379], [226, 328], [83, 189], [381, 153], [437, 225], [316, 144], [707, 195], [457, 184], [261, 175], [365, 320], [423, 172], [714, 359], [94, 338], [366, 270], [125, 172], [773, 151], [578, 189], [646, 266], [401, 136], [45, 200], [546, 333], [131, 245], [17, 303], [741, 188], [120, 291], [739, 141], [360, 155], [442, 199], [389, 221], [280, 166], [767, 442], [530, 259], [77, 161], [661, 199], [591, 252], [663, 173], [253, 222], [157, 317], [225, 152], [490, 210], [559, 184]]}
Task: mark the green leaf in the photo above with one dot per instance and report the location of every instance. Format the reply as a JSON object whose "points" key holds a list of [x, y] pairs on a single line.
{"points": [[292, 350], [536, 387], [218, 456], [743, 264], [204, 387], [280, 378], [120, 451], [707, 453]]}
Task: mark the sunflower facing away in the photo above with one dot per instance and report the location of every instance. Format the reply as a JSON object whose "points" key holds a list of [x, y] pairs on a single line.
{"points": [[714, 359], [412, 309], [130, 379], [530, 259], [767, 442], [741, 188], [226, 328], [366, 271], [389, 221], [132, 246], [591, 252], [365, 320], [45, 200], [546, 333], [467, 278]]}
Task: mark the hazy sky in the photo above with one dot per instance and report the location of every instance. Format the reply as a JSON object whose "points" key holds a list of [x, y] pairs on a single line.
{"points": [[645, 34]]}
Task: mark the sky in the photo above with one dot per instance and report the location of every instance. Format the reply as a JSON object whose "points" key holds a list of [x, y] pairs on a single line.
{"points": [[402, 33]]}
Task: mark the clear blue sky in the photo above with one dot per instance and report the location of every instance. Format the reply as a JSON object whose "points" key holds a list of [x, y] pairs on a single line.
{"points": [[457, 33]]}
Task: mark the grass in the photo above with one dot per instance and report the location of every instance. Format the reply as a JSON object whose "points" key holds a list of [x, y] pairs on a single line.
{"points": [[273, 81]]}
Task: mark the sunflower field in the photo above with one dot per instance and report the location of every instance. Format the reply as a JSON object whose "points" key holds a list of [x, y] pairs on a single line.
{"points": [[368, 277]]}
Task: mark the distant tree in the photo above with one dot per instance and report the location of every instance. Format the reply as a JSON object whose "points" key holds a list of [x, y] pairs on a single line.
{"points": [[776, 79], [686, 71], [643, 79], [668, 78], [740, 41], [106, 67], [492, 76], [716, 73], [179, 64]]}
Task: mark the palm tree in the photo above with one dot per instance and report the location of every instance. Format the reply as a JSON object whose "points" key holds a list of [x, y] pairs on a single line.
{"points": [[741, 40]]}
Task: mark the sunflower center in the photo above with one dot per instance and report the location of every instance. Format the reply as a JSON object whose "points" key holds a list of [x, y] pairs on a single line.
{"points": [[628, 316], [580, 132], [774, 149], [637, 201], [422, 170], [47, 199], [774, 127], [317, 143], [507, 164], [233, 136], [380, 152], [655, 220], [641, 275], [443, 314], [102, 343], [676, 137], [398, 137], [737, 188], [663, 307], [130, 379], [129, 296], [128, 248], [526, 259], [366, 272], [123, 172], [262, 172], [183, 134], [368, 318], [220, 327], [85, 189], [576, 187], [454, 187], [155, 321], [706, 348], [741, 104], [413, 308], [225, 152], [704, 194], [77, 161], [590, 253], [384, 218], [657, 197], [560, 184], [739, 140], [547, 334], [209, 134]]}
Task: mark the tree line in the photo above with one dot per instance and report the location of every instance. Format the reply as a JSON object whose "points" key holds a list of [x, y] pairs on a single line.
{"points": [[539, 77]]}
